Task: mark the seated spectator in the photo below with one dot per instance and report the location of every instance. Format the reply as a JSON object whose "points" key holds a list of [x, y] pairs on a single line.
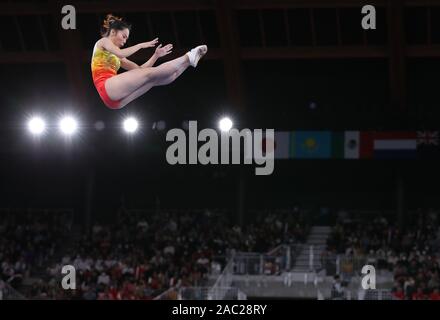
{"points": [[419, 294], [398, 294], [435, 295], [338, 291]]}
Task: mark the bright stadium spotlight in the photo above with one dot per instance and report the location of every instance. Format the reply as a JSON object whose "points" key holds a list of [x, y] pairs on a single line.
{"points": [[130, 125], [68, 125], [225, 124], [36, 126]]}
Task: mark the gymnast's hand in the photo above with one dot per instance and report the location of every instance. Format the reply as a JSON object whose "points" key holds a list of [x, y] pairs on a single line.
{"points": [[163, 51], [149, 44]]}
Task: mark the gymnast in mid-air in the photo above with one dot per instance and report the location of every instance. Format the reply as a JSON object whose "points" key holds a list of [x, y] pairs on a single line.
{"points": [[117, 90]]}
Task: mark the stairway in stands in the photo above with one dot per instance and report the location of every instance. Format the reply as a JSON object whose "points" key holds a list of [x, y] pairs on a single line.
{"points": [[317, 239]]}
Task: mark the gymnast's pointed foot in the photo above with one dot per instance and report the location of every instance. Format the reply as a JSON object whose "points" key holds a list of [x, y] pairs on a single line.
{"points": [[196, 54]]}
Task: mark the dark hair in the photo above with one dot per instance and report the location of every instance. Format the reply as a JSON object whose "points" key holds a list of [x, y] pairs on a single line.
{"points": [[112, 22]]}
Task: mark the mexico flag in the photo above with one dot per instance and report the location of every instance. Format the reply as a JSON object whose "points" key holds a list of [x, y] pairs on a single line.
{"points": [[351, 145]]}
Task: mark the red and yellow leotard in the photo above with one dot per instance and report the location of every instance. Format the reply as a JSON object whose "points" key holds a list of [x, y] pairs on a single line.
{"points": [[104, 65]]}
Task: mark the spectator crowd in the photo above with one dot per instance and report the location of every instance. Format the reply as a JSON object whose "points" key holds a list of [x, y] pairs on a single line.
{"points": [[411, 254], [139, 256]]}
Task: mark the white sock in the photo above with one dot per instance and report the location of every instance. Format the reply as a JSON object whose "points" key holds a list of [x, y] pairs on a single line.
{"points": [[194, 55], [190, 55]]}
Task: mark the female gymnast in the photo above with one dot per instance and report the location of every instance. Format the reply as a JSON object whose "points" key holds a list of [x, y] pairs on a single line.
{"points": [[117, 90]]}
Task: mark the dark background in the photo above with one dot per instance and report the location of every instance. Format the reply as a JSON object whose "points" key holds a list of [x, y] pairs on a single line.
{"points": [[267, 62]]}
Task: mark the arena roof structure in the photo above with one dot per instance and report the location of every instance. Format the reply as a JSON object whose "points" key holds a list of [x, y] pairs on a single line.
{"points": [[237, 30]]}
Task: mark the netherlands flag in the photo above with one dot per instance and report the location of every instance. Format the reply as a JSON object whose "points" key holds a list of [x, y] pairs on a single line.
{"points": [[395, 144]]}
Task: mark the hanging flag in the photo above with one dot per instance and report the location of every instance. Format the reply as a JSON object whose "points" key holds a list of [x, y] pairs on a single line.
{"points": [[428, 145], [395, 144], [352, 145], [312, 145], [427, 138]]}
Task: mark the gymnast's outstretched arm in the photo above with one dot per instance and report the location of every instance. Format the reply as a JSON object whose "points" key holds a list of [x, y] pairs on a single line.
{"points": [[124, 53], [150, 61], [158, 53]]}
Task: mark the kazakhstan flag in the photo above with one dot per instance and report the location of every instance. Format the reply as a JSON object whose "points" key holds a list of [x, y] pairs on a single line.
{"points": [[311, 145]]}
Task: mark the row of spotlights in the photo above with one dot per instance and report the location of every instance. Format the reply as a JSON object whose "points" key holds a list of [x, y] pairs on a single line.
{"points": [[69, 126]]}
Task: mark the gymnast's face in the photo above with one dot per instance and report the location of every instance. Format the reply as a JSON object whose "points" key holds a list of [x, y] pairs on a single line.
{"points": [[119, 37]]}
